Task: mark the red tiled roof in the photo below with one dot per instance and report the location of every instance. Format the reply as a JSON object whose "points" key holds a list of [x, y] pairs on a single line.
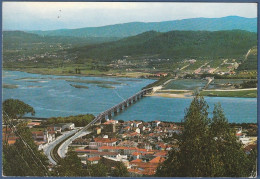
{"points": [[85, 150], [10, 142], [136, 153], [136, 161], [33, 123], [157, 160], [117, 148], [164, 153], [91, 159], [105, 140]]}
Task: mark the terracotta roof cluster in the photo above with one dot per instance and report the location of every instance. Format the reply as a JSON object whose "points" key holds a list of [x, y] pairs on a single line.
{"points": [[105, 140], [145, 168], [117, 148], [157, 160], [91, 159]]}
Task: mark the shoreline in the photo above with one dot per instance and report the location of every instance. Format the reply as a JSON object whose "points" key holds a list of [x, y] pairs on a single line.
{"points": [[83, 75], [170, 95]]}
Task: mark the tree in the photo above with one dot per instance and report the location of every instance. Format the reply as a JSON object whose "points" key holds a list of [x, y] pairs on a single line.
{"points": [[207, 147], [24, 151], [15, 108], [97, 170], [120, 170], [69, 166], [23, 158]]}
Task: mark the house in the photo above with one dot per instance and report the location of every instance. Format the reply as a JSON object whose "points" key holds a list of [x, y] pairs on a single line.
{"points": [[93, 160], [136, 155], [9, 136], [137, 130], [155, 123], [56, 128], [136, 123], [111, 122], [98, 142], [118, 149], [32, 124], [98, 130], [68, 126], [43, 136]]}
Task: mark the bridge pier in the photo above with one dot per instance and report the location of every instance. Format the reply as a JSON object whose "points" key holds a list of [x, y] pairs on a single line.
{"points": [[121, 107], [115, 110]]}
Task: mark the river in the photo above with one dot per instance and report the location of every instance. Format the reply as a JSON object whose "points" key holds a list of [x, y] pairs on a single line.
{"points": [[53, 96]]}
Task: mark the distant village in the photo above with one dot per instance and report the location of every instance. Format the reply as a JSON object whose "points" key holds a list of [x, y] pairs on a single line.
{"points": [[141, 146]]}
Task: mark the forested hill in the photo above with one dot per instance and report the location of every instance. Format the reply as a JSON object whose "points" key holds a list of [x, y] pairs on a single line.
{"points": [[174, 44], [20, 39], [134, 28]]}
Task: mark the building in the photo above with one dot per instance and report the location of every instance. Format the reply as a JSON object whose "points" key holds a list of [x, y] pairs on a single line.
{"points": [[98, 142]]}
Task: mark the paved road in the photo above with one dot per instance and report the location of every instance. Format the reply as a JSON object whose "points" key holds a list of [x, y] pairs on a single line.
{"points": [[48, 148], [62, 150]]}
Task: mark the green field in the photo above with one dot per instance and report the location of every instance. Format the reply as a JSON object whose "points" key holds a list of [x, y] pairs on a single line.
{"points": [[244, 94], [79, 86], [225, 83], [10, 86], [186, 84]]}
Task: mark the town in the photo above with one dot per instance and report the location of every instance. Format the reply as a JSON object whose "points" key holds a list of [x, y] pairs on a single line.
{"points": [[140, 146]]}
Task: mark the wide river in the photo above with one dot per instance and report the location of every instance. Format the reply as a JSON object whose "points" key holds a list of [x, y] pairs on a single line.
{"points": [[53, 96]]}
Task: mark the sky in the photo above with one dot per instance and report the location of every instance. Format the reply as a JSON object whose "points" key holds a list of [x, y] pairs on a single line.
{"points": [[71, 15]]}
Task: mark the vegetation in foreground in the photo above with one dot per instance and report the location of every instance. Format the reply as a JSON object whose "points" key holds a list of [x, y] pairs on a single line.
{"points": [[207, 147]]}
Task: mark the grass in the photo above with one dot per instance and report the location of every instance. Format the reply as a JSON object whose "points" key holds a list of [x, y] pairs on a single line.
{"points": [[91, 81], [185, 84], [196, 65], [10, 86], [79, 86], [106, 86], [226, 93], [34, 129]]}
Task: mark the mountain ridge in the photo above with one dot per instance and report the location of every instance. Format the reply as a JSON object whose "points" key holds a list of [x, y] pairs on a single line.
{"points": [[133, 28]]}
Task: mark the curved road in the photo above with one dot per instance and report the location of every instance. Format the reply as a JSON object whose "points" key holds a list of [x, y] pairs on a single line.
{"points": [[62, 150], [47, 149]]}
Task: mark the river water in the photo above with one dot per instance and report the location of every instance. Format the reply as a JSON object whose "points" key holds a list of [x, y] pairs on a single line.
{"points": [[53, 96]]}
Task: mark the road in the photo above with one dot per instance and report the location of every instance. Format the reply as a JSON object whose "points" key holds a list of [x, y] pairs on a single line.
{"points": [[47, 149], [62, 150]]}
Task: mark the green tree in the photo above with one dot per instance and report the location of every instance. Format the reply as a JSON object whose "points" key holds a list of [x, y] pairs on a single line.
{"points": [[23, 158], [97, 170], [119, 170], [207, 147], [69, 166], [24, 151], [15, 108]]}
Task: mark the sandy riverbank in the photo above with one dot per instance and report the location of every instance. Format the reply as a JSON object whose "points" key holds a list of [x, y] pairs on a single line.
{"points": [[171, 95]]}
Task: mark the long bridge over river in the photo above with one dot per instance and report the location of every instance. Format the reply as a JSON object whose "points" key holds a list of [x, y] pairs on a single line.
{"points": [[120, 107], [59, 148]]}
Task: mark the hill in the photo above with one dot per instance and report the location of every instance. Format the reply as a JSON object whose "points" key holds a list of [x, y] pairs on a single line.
{"points": [[20, 39], [134, 28], [174, 45]]}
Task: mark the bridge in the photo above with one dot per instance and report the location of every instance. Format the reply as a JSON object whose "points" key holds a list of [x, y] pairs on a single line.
{"points": [[119, 107]]}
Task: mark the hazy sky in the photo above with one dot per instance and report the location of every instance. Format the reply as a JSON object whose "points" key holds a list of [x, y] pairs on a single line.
{"points": [[59, 15]]}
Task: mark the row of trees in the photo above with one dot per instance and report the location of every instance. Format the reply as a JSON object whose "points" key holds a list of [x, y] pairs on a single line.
{"points": [[71, 166], [79, 120]]}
